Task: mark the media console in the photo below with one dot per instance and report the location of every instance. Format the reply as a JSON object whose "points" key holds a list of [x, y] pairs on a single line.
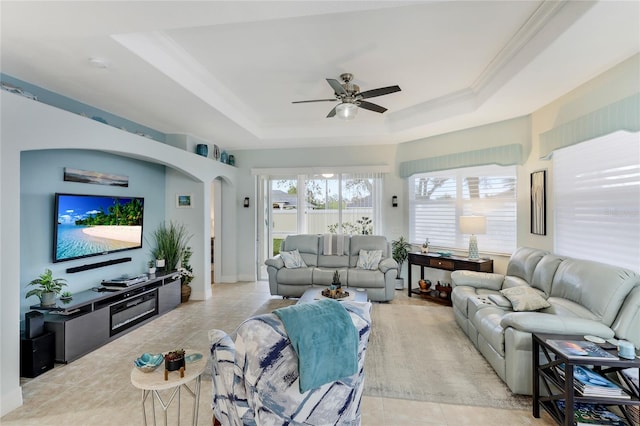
{"points": [[93, 318]]}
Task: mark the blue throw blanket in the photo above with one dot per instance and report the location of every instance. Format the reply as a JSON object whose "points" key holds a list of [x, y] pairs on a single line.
{"points": [[325, 339]]}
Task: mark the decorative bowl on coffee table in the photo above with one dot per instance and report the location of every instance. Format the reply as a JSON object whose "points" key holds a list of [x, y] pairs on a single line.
{"points": [[148, 362]]}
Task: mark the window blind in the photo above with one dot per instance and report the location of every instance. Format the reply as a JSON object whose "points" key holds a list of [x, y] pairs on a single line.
{"points": [[438, 199], [597, 200]]}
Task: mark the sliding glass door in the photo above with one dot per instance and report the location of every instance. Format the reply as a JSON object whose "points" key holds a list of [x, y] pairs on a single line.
{"points": [[316, 204]]}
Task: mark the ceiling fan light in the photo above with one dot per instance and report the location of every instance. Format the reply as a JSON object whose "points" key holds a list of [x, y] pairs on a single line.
{"points": [[347, 111]]}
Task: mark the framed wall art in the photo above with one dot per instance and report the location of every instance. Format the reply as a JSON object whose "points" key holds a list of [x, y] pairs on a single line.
{"points": [[538, 187], [98, 178], [183, 201]]}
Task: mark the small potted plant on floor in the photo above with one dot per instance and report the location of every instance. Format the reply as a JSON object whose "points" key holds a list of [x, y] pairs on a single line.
{"points": [[186, 275], [400, 249], [47, 288]]}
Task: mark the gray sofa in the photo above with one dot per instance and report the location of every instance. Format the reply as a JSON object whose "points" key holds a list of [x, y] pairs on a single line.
{"points": [[320, 267], [583, 298]]}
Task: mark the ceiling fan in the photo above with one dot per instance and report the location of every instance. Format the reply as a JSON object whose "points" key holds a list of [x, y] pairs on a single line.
{"points": [[351, 97]]}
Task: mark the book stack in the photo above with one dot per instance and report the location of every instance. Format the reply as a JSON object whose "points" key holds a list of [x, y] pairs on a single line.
{"points": [[585, 414], [589, 383]]}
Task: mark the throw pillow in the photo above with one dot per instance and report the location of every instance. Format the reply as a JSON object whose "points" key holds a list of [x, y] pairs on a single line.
{"points": [[292, 259], [369, 259], [525, 298]]}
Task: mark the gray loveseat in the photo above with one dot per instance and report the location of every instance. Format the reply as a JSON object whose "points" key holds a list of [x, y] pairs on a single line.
{"points": [[583, 298], [320, 266]]}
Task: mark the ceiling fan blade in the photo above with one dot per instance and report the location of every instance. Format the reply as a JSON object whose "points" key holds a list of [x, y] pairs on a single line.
{"points": [[378, 92], [371, 107], [337, 87], [332, 113], [314, 100]]}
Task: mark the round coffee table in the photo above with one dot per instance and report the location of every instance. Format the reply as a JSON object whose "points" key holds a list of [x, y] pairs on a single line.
{"points": [[151, 383]]}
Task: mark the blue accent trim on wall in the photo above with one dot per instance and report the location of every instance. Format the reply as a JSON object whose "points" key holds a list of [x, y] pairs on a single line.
{"points": [[71, 105]]}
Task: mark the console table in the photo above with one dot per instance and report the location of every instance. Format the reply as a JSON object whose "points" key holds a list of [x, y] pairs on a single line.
{"points": [[92, 318], [449, 263]]}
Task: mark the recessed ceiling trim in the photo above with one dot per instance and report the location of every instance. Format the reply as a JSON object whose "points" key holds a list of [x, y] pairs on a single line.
{"points": [[538, 20], [163, 53]]}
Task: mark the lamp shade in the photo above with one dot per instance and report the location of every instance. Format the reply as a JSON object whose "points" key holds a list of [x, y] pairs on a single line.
{"points": [[347, 111], [473, 224]]}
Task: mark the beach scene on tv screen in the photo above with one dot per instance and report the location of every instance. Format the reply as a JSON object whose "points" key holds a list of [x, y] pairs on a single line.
{"points": [[90, 225]]}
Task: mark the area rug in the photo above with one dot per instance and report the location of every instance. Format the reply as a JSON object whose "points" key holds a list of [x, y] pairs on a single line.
{"points": [[420, 353]]}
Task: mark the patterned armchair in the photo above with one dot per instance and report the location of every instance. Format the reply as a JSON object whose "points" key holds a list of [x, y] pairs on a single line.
{"points": [[255, 379]]}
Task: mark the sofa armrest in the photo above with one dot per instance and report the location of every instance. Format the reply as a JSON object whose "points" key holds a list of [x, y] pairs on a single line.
{"points": [[626, 323], [538, 322], [276, 262], [475, 279], [386, 264]]}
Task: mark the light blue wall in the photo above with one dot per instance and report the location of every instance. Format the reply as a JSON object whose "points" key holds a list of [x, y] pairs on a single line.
{"points": [[41, 175]]}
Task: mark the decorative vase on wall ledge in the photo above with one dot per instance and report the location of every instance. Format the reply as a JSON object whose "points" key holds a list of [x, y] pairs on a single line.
{"points": [[216, 152], [202, 149], [224, 157]]}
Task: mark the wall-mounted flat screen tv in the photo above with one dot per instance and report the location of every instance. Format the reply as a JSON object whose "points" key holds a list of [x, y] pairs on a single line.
{"points": [[92, 225]]}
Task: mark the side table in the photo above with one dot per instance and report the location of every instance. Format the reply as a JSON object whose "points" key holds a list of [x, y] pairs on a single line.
{"points": [[546, 362], [151, 383]]}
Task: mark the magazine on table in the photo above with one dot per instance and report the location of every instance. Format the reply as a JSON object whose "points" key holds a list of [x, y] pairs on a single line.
{"points": [[589, 383], [585, 414], [580, 349]]}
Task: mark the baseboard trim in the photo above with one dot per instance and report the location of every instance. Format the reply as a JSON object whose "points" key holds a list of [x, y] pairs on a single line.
{"points": [[11, 401]]}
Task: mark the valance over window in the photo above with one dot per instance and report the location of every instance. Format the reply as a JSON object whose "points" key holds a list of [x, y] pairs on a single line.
{"points": [[506, 155], [621, 115]]}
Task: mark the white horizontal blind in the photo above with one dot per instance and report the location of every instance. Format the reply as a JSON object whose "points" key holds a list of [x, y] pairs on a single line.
{"points": [[597, 200], [438, 199]]}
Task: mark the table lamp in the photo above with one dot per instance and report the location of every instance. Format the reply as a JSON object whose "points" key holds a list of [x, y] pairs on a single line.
{"points": [[473, 225]]}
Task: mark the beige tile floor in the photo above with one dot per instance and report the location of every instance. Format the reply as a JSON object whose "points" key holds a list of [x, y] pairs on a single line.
{"points": [[96, 389]]}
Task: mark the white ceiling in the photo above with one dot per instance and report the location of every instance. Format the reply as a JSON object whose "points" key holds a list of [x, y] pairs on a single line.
{"points": [[227, 72]]}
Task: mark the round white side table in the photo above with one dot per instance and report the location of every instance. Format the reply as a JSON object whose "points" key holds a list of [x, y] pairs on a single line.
{"points": [[151, 383]]}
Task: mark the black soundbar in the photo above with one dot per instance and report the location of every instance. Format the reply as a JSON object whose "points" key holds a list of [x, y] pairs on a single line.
{"points": [[98, 265]]}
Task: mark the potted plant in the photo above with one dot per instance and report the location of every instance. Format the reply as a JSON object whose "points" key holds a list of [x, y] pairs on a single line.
{"points": [[400, 249], [47, 288], [152, 266], [336, 280], [160, 261], [170, 243], [174, 360], [66, 295], [186, 275]]}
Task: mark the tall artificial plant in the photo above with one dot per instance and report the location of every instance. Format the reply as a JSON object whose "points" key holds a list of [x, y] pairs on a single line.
{"points": [[400, 249], [171, 241]]}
